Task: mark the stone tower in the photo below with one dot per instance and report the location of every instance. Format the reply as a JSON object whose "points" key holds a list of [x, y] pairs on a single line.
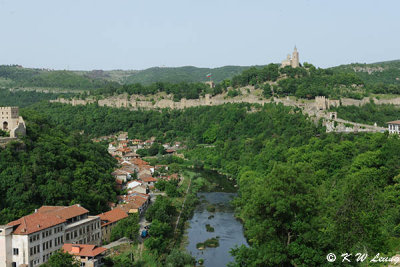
{"points": [[295, 58], [292, 61]]}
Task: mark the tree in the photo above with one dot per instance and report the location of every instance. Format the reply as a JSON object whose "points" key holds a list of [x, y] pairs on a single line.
{"points": [[62, 259], [162, 210], [127, 227], [178, 258]]}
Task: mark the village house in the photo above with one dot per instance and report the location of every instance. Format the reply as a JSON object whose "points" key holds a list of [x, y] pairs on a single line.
{"points": [[123, 136], [121, 175], [32, 239], [133, 184], [134, 203], [394, 127], [149, 180], [108, 220], [88, 255]]}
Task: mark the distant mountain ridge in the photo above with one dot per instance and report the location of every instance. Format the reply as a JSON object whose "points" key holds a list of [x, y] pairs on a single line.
{"points": [[386, 72], [15, 76], [184, 74]]}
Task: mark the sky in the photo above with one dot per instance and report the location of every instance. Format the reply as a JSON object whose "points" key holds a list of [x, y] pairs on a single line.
{"points": [[130, 34]]}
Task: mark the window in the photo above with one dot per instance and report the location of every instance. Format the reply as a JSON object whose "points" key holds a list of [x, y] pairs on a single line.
{"points": [[67, 237], [30, 251], [15, 251]]}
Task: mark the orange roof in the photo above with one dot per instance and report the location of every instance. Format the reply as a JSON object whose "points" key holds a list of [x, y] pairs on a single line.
{"points": [[112, 216], [83, 250], [45, 217], [139, 162], [65, 212], [394, 122], [35, 222], [135, 202], [149, 179]]}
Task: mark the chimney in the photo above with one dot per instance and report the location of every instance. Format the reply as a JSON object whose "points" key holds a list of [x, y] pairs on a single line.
{"points": [[35, 210], [76, 249]]}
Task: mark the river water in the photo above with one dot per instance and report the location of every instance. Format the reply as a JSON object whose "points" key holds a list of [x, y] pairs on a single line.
{"points": [[227, 228]]}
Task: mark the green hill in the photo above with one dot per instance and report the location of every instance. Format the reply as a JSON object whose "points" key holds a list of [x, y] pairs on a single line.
{"points": [[183, 74], [14, 76], [386, 73]]}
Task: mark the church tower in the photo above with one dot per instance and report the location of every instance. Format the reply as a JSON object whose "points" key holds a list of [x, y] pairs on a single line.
{"points": [[295, 58]]}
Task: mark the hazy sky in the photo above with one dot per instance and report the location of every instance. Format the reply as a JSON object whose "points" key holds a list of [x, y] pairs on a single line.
{"points": [[130, 34]]}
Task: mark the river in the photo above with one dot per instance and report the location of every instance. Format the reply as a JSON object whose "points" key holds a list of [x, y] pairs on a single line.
{"points": [[227, 229]]}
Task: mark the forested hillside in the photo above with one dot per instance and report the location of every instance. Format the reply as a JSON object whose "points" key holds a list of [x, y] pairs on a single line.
{"points": [[380, 78], [369, 113], [183, 74], [53, 166], [17, 76], [302, 193], [26, 98]]}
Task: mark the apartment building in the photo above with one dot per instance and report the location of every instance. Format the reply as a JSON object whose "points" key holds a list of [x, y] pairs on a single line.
{"points": [[30, 240]]}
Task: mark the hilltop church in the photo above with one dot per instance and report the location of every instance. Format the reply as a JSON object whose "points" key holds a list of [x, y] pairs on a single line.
{"points": [[292, 61]]}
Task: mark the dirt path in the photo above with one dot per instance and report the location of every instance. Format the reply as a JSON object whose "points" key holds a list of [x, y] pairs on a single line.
{"points": [[183, 205]]}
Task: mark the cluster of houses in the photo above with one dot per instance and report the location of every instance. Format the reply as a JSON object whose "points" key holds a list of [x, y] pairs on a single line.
{"points": [[32, 239], [134, 176]]}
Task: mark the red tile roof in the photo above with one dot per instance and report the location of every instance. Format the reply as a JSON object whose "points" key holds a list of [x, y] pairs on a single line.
{"points": [[83, 250], [65, 212], [149, 179], [139, 162], [35, 222], [394, 122], [112, 216], [45, 217]]}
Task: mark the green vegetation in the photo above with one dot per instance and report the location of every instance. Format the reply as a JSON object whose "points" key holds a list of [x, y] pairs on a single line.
{"points": [[380, 78], [209, 243], [128, 227], [369, 113], [61, 259], [183, 74], [25, 98], [302, 193], [4, 133], [17, 76], [178, 258], [170, 187], [210, 208], [179, 90], [53, 167], [302, 82], [209, 228]]}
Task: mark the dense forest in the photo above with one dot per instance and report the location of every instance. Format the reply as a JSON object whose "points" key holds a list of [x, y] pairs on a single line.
{"points": [[183, 74], [17, 76], [53, 166], [303, 82], [380, 78], [369, 113], [302, 193], [26, 98], [179, 90]]}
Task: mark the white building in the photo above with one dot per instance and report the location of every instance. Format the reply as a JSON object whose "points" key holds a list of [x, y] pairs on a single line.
{"points": [[30, 240], [394, 127]]}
